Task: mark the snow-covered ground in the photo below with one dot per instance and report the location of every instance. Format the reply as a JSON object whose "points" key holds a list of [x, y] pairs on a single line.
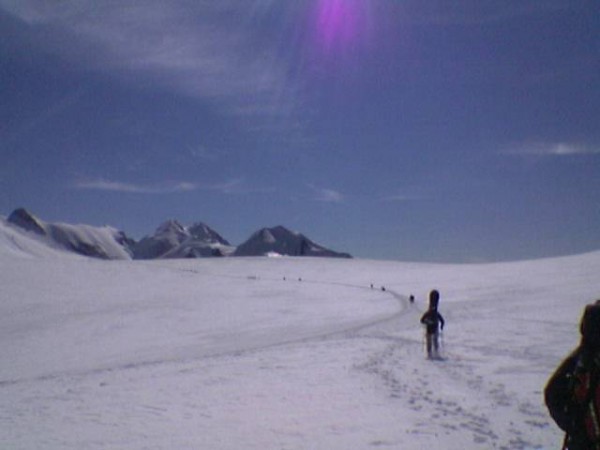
{"points": [[279, 353]]}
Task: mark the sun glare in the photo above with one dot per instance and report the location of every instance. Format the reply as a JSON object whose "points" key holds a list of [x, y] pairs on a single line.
{"points": [[340, 23]]}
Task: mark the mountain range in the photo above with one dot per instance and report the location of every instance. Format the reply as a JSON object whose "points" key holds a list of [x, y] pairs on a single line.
{"points": [[170, 240]]}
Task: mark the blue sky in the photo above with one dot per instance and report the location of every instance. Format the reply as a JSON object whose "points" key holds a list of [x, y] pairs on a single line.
{"points": [[412, 130]]}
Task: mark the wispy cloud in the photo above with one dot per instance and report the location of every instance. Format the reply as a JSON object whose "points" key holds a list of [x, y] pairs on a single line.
{"points": [[118, 186], [238, 186], [549, 149], [327, 195], [229, 187], [216, 51]]}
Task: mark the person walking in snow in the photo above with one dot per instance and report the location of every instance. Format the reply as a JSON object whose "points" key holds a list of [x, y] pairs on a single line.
{"points": [[434, 322], [572, 394]]}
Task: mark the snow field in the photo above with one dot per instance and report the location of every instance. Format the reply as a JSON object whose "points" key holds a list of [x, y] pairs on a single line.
{"points": [[226, 354]]}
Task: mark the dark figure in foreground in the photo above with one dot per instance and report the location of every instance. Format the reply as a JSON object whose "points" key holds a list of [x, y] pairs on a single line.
{"points": [[434, 322], [573, 392]]}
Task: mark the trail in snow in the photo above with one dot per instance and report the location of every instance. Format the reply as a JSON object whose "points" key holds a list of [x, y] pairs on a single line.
{"points": [[452, 396], [223, 354], [331, 331]]}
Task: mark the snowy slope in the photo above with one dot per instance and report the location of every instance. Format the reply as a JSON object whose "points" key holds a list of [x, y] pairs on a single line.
{"points": [[98, 242], [237, 353], [15, 242]]}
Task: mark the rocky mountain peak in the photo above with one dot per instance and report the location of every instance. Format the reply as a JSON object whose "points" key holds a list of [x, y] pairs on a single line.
{"points": [[24, 219]]}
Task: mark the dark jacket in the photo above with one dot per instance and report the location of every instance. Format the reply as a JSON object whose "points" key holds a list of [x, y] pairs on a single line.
{"points": [[432, 319], [557, 392], [558, 396]]}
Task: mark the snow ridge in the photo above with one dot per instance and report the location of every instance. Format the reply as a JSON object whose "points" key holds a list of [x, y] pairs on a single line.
{"points": [[98, 242]]}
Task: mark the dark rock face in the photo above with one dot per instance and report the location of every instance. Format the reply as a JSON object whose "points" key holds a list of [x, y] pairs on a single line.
{"points": [[282, 241], [204, 233], [27, 221], [173, 240]]}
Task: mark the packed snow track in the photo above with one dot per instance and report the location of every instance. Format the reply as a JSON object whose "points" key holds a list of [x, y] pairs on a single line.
{"points": [[287, 353]]}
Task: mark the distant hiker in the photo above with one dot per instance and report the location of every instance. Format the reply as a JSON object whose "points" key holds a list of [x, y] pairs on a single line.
{"points": [[434, 322], [572, 394], [411, 298]]}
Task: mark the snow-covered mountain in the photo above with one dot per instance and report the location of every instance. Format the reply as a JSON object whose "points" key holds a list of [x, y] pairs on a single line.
{"points": [[16, 242], [281, 241], [97, 242], [170, 240], [173, 240]]}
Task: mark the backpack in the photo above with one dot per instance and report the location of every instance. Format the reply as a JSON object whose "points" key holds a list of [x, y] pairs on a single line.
{"points": [[572, 394], [585, 402], [431, 320]]}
